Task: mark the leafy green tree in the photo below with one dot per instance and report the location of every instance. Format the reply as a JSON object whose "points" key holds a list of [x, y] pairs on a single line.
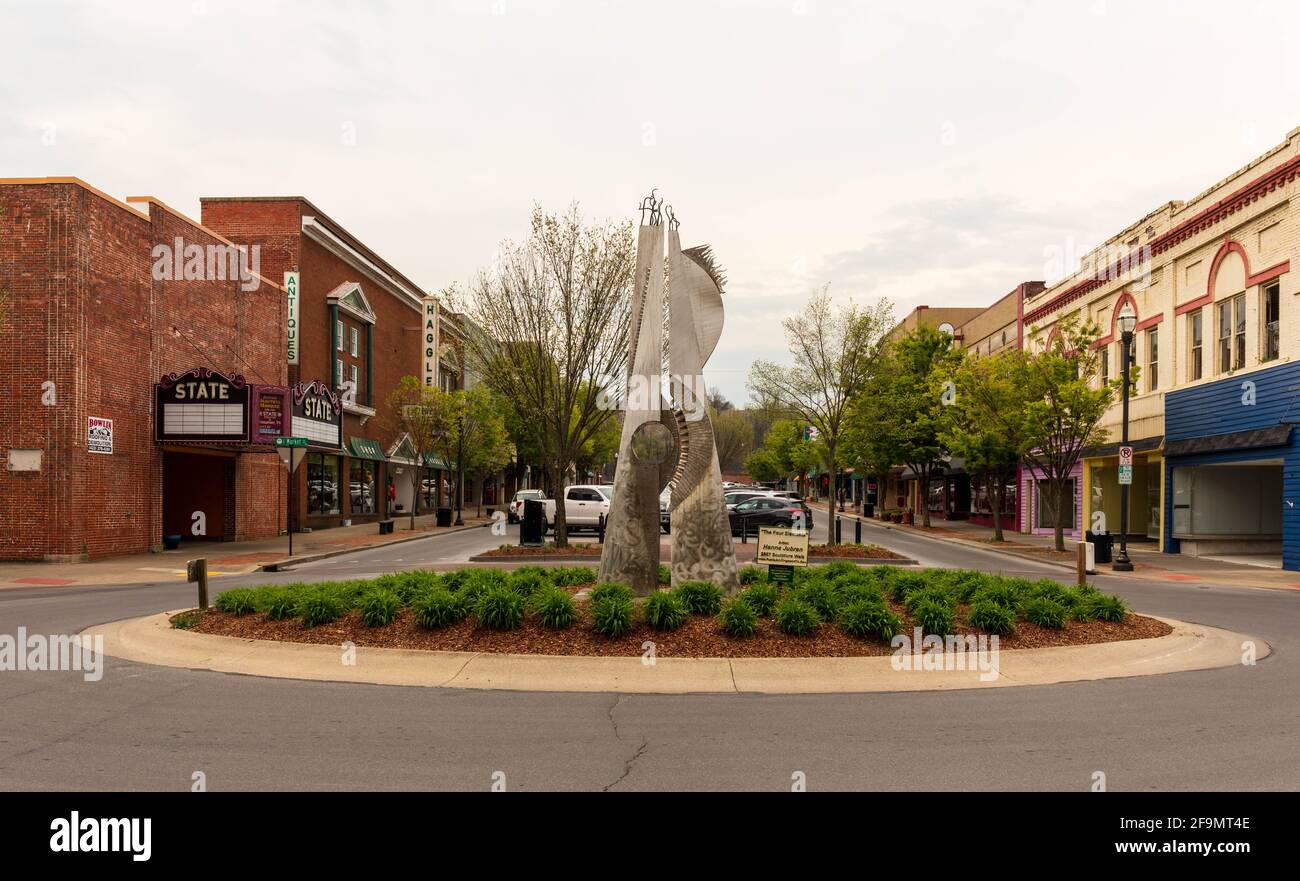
{"points": [[470, 435], [899, 416], [419, 413], [784, 453], [835, 353]]}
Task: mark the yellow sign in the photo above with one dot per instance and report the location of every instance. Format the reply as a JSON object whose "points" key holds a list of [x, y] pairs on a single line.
{"points": [[782, 546]]}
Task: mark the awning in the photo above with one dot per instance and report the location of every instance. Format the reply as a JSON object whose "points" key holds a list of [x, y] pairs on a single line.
{"points": [[1143, 445], [432, 461], [1254, 438], [365, 448]]}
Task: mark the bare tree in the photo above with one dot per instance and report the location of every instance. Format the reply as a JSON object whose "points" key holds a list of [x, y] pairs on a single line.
{"points": [[835, 351], [555, 311]]}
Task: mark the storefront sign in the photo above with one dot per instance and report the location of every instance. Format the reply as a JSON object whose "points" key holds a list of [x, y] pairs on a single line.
{"points": [[291, 329], [430, 342], [317, 414], [782, 546], [270, 411], [201, 405], [99, 435]]}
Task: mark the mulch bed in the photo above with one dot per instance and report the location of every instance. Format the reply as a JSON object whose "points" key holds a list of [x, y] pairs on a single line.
{"points": [[699, 637], [550, 550], [852, 551]]}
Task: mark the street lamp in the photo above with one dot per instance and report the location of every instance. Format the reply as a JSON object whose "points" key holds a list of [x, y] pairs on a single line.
{"points": [[1127, 322]]}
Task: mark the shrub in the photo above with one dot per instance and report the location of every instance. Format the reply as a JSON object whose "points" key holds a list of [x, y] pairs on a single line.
{"points": [[821, 596], [409, 585], [796, 617], [665, 574], [990, 617], [1046, 613], [737, 618], [837, 569], [761, 597], [963, 584], [863, 618], [455, 580], [934, 616], [611, 615], [237, 601], [280, 604], [379, 607], [848, 593], [319, 606], [700, 597], [555, 608], [665, 611], [439, 608], [348, 594], [611, 589], [916, 598], [1105, 607], [526, 583], [500, 608], [750, 574], [186, 620], [569, 576], [905, 583], [1001, 591]]}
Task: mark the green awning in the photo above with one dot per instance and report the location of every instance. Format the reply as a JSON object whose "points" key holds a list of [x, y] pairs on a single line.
{"points": [[365, 448], [432, 461]]}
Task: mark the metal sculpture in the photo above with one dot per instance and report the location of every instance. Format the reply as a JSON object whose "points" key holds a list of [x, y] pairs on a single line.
{"points": [[666, 444]]}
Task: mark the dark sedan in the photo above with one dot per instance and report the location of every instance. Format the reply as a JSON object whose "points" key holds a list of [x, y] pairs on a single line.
{"points": [[768, 511]]}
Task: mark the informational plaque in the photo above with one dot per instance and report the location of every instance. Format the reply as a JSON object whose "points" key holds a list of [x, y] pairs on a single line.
{"points": [[782, 547]]}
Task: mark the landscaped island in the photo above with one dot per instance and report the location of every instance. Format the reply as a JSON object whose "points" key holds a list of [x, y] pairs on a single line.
{"points": [[839, 609], [815, 552]]}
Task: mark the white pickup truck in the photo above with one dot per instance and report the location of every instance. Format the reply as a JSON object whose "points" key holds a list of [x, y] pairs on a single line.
{"points": [[583, 506]]}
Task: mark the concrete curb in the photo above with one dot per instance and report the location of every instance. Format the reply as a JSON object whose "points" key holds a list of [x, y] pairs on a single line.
{"points": [[152, 640], [290, 562], [595, 558]]}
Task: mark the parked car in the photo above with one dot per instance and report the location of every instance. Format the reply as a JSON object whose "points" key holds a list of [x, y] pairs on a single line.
{"points": [[515, 510], [735, 497], [768, 511], [584, 504], [784, 494]]}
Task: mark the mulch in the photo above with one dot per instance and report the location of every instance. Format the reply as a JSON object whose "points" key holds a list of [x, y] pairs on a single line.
{"points": [[699, 637]]}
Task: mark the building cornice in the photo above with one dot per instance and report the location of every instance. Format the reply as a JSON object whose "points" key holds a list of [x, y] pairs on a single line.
{"points": [[322, 236]]}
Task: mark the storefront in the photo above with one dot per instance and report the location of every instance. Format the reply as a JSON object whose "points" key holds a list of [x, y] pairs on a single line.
{"points": [[317, 414], [1102, 508], [982, 502], [1232, 469], [1037, 495]]}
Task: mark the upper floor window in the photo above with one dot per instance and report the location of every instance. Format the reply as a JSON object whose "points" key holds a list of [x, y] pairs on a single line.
{"points": [[356, 341], [1195, 341], [1105, 364], [1270, 309], [1153, 358], [1232, 333], [338, 335]]}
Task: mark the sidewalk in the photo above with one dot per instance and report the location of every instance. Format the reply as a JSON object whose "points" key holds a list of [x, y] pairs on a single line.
{"points": [[224, 558], [1149, 564]]}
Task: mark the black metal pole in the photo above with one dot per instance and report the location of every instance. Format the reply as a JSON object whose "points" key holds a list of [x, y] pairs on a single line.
{"points": [[289, 515], [1122, 563]]}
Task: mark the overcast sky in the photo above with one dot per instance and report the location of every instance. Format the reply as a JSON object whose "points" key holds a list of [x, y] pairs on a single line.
{"points": [[931, 153]]}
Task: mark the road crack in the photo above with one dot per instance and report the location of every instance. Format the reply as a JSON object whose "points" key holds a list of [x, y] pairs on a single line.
{"points": [[640, 750]]}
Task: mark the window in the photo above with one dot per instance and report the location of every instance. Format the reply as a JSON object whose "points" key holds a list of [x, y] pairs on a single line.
{"points": [[1194, 341], [356, 341], [1045, 492], [322, 484], [429, 490], [355, 379], [1232, 333], [1270, 310], [1153, 359], [1239, 332], [1225, 335], [338, 334], [338, 374], [1105, 365], [361, 486]]}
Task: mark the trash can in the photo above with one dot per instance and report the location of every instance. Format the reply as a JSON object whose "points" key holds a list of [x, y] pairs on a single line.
{"points": [[1101, 545], [868, 510], [532, 524], [443, 517]]}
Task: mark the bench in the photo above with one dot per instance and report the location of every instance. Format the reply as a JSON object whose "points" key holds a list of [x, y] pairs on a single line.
{"points": [[386, 526]]}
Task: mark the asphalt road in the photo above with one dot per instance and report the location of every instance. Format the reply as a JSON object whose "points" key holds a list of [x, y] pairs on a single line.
{"points": [[144, 727]]}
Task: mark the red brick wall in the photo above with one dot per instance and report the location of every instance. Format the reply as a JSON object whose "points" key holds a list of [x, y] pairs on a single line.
{"points": [[87, 315]]}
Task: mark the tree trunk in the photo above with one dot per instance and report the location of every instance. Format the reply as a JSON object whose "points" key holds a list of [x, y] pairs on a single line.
{"points": [[998, 489], [415, 494], [833, 494], [1059, 520], [923, 498], [561, 521]]}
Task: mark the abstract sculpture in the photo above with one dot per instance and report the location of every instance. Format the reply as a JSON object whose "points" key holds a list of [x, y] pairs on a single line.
{"points": [[663, 445]]}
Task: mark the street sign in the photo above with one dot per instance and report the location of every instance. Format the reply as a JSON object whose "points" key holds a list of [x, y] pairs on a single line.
{"points": [[1126, 455], [291, 441], [1125, 475]]}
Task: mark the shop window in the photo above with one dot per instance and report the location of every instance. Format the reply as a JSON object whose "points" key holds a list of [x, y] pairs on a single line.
{"points": [[1195, 340], [1044, 510], [361, 486], [1153, 359], [322, 485], [429, 499], [1271, 310], [935, 495]]}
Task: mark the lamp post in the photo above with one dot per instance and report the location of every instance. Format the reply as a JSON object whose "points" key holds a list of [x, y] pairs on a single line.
{"points": [[1127, 321]]}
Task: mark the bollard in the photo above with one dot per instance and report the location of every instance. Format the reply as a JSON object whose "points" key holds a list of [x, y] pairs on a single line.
{"points": [[601, 526], [197, 571], [837, 530], [1082, 563], [857, 532], [744, 530]]}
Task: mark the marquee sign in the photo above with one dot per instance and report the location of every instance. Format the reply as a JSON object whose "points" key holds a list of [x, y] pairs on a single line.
{"points": [[201, 405], [317, 414]]}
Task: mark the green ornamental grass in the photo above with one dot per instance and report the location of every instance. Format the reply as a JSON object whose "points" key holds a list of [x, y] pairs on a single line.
{"points": [[936, 617], [665, 611], [700, 597], [379, 607], [611, 589], [319, 606], [864, 618], [439, 608], [500, 608], [1046, 613], [762, 598], [991, 617], [737, 618], [611, 615], [796, 617], [555, 608], [237, 601]]}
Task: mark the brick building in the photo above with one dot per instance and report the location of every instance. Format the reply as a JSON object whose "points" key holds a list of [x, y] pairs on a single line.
{"points": [[361, 326], [111, 309]]}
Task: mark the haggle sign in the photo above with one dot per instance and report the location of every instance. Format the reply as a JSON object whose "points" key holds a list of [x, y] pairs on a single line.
{"points": [[430, 341]]}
